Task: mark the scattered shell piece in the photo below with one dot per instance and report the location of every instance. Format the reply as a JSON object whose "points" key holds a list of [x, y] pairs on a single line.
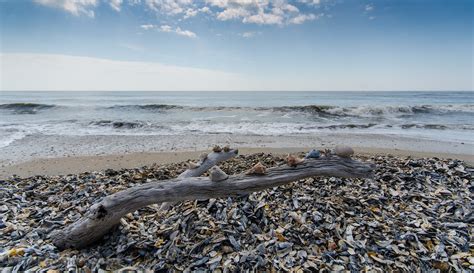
{"points": [[327, 152], [216, 174], [192, 165], [203, 157], [257, 169], [343, 151], [313, 154], [293, 161], [226, 148], [217, 149]]}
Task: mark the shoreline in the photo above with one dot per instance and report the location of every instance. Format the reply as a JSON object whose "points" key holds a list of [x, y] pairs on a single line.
{"points": [[79, 164]]}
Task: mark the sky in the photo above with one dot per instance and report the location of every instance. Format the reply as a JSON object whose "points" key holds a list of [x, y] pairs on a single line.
{"points": [[301, 45]]}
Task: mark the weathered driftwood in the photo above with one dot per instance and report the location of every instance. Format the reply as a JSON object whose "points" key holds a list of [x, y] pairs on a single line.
{"points": [[205, 164], [212, 159], [101, 217]]}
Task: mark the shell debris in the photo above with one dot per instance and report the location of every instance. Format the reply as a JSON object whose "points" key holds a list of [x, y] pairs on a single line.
{"points": [[313, 154], [192, 165], [203, 157], [343, 151], [257, 169], [414, 215], [216, 174], [217, 149], [293, 161]]}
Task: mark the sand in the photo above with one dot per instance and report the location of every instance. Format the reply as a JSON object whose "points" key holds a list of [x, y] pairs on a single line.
{"points": [[54, 155], [79, 164]]}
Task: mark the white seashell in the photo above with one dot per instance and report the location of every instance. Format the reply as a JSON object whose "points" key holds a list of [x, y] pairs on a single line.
{"points": [[192, 165], [343, 151], [216, 174]]}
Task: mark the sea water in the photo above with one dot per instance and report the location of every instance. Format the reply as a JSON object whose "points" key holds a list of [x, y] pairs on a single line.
{"points": [[432, 115]]}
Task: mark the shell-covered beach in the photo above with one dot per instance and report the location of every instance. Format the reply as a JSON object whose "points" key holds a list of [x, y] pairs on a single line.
{"points": [[413, 215]]}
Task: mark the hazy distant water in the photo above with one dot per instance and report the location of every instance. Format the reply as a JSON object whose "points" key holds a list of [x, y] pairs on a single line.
{"points": [[433, 115]]}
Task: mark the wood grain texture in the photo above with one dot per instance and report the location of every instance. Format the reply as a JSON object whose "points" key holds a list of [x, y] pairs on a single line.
{"points": [[102, 216], [211, 160]]}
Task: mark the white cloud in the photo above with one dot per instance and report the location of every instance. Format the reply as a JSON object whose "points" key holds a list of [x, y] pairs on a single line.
{"points": [[132, 47], [166, 28], [186, 33], [205, 10], [262, 12], [172, 7], [264, 19], [64, 73], [147, 26], [369, 7], [190, 13], [115, 4], [249, 34], [178, 30], [291, 8], [310, 2], [75, 7], [232, 13], [302, 18], [24, 71]]}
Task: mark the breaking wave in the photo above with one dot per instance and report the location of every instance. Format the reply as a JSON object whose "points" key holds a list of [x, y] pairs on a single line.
{"points": [[118, 124], [25, 108], [319, 110], [148, 107]]}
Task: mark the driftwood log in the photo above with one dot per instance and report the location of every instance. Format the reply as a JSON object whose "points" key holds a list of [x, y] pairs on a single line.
{"points": [[205, 164], [106, 214]]}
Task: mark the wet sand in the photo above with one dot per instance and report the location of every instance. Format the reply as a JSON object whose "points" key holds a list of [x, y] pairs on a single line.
{"points": [[79, 164]]}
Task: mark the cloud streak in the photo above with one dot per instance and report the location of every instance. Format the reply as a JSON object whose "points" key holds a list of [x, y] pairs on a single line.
{"points": [[261, 12], [75, 7], [30, 72], [64, 73]]}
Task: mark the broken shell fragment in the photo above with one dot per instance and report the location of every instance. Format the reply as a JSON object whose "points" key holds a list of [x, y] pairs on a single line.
{"points": [[217, 149], [313, 154], [257, 169], [343, 151], [203, 157], [293, 161], [216, 174], [192, 165], [226, 148]]}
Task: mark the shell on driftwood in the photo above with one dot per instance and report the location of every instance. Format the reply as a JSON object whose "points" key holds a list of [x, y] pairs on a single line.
{"points": [[293, 161], [216, 174], [217, 149], [343, 151], [203, 157], [313, 154], [192, 165], [257, 169]]}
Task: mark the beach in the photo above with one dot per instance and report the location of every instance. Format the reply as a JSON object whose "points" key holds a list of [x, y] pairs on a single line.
{"points": [[413, 213], [60, 155]]}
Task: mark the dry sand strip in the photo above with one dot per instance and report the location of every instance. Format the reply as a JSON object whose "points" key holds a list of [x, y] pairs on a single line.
{"points": [[79, 164]]}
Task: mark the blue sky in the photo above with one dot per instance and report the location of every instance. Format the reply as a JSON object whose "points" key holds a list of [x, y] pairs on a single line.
{"points": [[236, 45]]}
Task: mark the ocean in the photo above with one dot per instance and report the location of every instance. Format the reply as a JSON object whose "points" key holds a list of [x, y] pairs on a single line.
{"points": [[445, 116]]}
